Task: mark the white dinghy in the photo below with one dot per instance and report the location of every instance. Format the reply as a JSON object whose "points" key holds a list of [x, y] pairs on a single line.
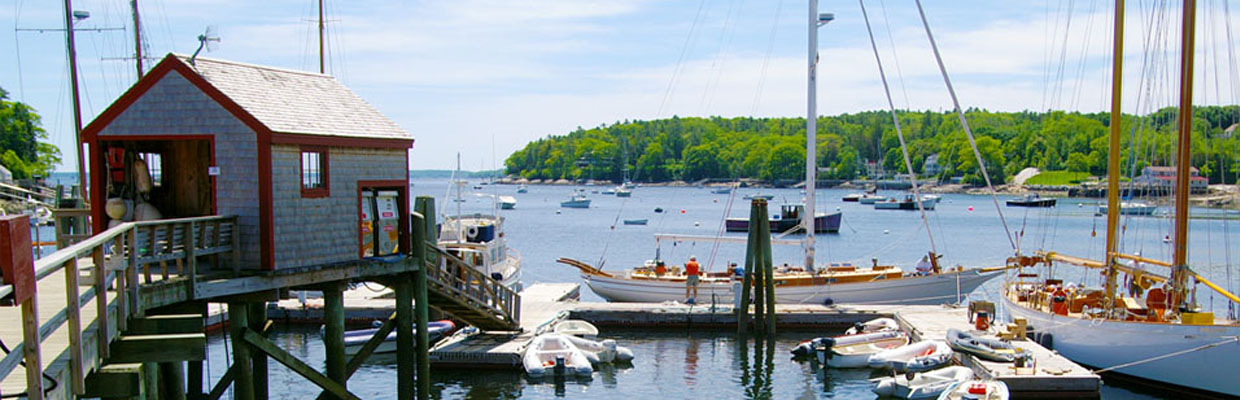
{"points": [[976, 390], [857, 355], [809, 347], [576, 327], [555, 354], [916, 357], [874, 325], [923, 385], [604, 351]]}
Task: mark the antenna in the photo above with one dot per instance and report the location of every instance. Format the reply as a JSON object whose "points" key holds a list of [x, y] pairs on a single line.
{"points": [[207, 39]]}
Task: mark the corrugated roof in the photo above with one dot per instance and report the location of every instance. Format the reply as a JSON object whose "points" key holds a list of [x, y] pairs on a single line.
{"points": [[298, 102]]}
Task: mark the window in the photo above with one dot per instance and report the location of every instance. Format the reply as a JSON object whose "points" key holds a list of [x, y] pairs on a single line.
{"points": [[155, 167], [314, 172]]}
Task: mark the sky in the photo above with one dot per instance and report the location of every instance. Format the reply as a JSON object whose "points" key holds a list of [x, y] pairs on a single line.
{"points": [[484, 77]]}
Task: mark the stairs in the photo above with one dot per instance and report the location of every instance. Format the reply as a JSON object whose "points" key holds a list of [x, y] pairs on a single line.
{"points": [[469, 295]]}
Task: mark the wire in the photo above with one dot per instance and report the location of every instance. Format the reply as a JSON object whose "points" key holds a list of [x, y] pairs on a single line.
{"points": [[46, 390], [671, 83]]}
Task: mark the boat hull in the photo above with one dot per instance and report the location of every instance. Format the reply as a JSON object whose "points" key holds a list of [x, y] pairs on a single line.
{"points": [[1043, 203], [576, 204], [823, 223], [934, 289], [905, 205], [1105, 344]]}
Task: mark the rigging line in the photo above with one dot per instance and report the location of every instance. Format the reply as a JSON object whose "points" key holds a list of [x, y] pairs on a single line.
{"points": [[671, 83], [882, 6], [1233, 339], [981, 165], [899, 132], [1080, 71], [17, 46], [727, 211], [716, 66], [1047, 50], [1057, 94], [770, 46]]}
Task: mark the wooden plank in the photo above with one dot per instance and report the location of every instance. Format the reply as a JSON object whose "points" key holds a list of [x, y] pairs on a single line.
{"points": [[238, 317], [115, 381], [225, 381], [297, 366], [101, 305], [30, 349], [73, 308], [333, 335], [191, 260], [159, 348], [166, 324]]}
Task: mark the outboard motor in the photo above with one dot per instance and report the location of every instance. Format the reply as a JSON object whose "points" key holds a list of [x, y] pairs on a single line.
{"points": [[806, 348], [609, 351], [560, 366]]}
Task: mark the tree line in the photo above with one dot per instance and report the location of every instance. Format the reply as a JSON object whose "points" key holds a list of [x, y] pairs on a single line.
{"points": [[24, 149], [773, 149]]}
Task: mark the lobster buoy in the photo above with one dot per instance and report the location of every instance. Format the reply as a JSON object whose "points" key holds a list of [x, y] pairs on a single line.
{"points": [[142, 176], [146, 212], [115, 208]]}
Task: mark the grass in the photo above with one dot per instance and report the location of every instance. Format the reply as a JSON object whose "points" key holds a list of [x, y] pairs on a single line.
{"points": [[1053, 178]]}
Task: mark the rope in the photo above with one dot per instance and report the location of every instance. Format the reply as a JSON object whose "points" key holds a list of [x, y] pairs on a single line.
{"points": [[899, 132], [766, 60], [964, 123], [1233, 339]]}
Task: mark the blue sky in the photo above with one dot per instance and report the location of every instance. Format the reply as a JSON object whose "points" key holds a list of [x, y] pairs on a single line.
{"points": [[484, 77]]}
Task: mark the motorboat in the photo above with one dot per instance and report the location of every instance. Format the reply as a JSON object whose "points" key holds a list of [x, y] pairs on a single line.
{"points": [[923, 385], [523, 189], [916, 357], [722, 190], [479, 240], [578, 200], [576, 327], [354, 340], [554, 354], [1031, 200], [636, 221], [507, 202], [623, 191], [857, 355], [870, 198], [789, 217], [809, 347], [976, 390], [853, 197], [907, 203], [1131, 208], [986, 348], [759, 196]]}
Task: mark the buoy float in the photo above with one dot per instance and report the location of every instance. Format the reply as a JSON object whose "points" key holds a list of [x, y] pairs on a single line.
{"points": [[886, 231], [682, 211], [695, 223], [970, 208]]}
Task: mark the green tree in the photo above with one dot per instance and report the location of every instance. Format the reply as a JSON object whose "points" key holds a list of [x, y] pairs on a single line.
{"points": [[23, 141]]}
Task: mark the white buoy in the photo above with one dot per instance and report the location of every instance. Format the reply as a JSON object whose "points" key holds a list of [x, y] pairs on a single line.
{"points": [[886, 231], [695, 223], [557, 212]]}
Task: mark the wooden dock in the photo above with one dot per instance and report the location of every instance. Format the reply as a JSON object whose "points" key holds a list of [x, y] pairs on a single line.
{"points": [[541, 305]]}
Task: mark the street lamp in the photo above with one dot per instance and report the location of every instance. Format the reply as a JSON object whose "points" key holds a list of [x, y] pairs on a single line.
{"points": [[810, 218]]}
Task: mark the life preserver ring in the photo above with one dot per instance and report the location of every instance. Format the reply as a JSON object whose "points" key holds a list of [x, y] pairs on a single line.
{"points": [[471, 232]]}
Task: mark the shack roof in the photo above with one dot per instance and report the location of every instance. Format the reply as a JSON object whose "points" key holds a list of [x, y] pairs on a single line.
{"points": [[297, 102]]}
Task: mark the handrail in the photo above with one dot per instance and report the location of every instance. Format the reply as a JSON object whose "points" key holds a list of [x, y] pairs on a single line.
{"points": [[459, 276], [115, 262]]}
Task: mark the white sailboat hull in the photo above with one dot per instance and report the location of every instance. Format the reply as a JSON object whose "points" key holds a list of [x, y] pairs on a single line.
{"points": [[1108, 343], [935, 289]]}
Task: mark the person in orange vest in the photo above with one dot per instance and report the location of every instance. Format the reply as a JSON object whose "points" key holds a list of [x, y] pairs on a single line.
{"points": [[692, 270]]}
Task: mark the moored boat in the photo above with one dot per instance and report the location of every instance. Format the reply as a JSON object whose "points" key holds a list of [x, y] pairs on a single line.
{"points": [[976, 390], [523, 189], [789, 217], [354, 340], [478, 239], [636, 221], [851, 336], [906, 203], [857, 355], [578, 200], [1031, 200], [1131, 208], [987, 348], [869, 198], [759, 196], [915, 357], [507, 202], [555, 354], [576, 327]]}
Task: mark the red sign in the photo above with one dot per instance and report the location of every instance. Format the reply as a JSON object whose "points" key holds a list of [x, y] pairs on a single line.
{"points": [[16, 261]]}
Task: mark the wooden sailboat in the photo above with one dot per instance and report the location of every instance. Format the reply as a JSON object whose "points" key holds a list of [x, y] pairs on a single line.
{"points": [[1161, 336]]}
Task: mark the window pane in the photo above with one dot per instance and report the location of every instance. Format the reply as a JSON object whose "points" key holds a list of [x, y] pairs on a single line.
{"points": [[312, 170]]}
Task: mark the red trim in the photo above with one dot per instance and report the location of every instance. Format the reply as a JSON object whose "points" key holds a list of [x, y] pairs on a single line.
{"points": [[402, 208], [340, 141], [266, 221], [324, 172], [98, 182]]}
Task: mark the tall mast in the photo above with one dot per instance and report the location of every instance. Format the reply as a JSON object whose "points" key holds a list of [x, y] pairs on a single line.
{"points": [[811, 133], [77, 109], [1117, 65], [1179, 271], [137, 37], [321, 54]]}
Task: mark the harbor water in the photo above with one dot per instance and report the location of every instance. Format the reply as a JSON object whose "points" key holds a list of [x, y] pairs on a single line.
{"points": [[712, 364]]}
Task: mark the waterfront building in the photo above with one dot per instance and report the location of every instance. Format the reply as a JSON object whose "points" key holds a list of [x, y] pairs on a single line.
{"points": [[1162, 180]]}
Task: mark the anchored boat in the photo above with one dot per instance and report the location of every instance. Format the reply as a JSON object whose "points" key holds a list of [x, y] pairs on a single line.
{"points": [[789, 217]]}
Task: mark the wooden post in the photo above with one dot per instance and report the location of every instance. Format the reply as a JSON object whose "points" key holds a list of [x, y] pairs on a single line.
{"points": [[73, 308], [404, 336], [421, 256], [258, 318], [742, 320], [101, 303], [768, 270], [171, 385], [238, 321], [30, 347], [759, 274], [333, 334], [193, 380]]}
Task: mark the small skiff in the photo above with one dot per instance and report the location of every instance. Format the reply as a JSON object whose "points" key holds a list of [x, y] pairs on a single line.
{"points": [[976, 390], [857, 355], [874, 325], [809, 347], [576, 327], [987, 348], [354, 340], [916, 357], [604, 351], [555, 354], [924, 385]]}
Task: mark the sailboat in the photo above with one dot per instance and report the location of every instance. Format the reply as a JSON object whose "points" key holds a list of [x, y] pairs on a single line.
{"points": [[836, 283], [1162, 335]]}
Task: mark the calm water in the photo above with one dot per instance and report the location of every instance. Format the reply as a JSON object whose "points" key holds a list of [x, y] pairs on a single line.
{"points": [[683, 364]]}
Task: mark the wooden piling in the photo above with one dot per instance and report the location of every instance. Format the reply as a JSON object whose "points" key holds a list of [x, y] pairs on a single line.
{"points": [[404, 337], [768, 269], [333, 334], [756, 223], [258, 318], [425, 205], [243, 382], [742, 311], [421, 256]]}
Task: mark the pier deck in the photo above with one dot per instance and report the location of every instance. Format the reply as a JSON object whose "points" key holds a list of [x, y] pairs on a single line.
{"points": [[540, 304]]}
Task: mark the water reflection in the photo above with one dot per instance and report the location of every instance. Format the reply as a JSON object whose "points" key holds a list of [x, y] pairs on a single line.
{"points": [[756, 376]]}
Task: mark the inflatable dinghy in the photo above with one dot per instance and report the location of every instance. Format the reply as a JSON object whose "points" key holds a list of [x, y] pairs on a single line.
{"points": [[808, 347], [987, 348], [604, 351], [857, 355], [924, 385], [976, 390], [555, 354], [916, 357]]}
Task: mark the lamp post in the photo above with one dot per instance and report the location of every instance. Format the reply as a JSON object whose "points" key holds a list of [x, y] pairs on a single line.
{"points": [[811, 131]]}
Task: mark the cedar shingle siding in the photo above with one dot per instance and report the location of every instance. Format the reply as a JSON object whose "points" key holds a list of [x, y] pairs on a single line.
{"points": [[174, 106]]}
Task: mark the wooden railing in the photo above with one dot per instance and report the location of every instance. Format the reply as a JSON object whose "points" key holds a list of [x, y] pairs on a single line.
{"points": [[72, 225], [466, 282], [115, 266]]}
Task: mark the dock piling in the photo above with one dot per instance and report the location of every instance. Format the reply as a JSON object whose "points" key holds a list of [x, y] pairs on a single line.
{"points": [[243, 381], [258, 318], [333, 333], [421, 226]]}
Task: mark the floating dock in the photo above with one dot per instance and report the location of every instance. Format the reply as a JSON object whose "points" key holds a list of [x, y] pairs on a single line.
{"points": [[541, 305]]}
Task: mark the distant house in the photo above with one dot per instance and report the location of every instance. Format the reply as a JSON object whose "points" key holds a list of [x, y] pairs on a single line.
{"points": [[1162, 179], [931, 167], [5, 175], [296, 156], [874, 170]]}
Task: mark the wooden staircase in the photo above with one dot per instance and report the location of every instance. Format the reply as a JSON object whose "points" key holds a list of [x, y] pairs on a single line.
{"points": [[456, 288]]}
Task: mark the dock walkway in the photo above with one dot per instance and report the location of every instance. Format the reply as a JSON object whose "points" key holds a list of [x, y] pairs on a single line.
{"points": [[541, 304]]}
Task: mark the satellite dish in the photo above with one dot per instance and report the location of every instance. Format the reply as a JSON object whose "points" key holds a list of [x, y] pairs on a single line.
{"points": [[208, 40]]}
